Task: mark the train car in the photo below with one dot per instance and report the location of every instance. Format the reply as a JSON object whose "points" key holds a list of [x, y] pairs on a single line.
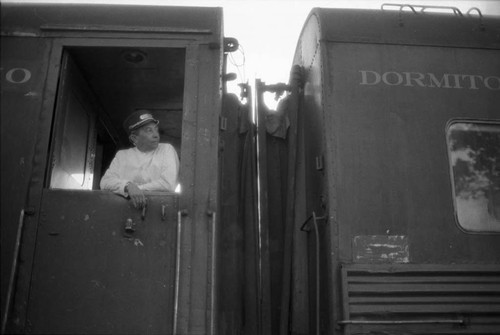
{"points": [[368, 203], [76, 259], [388, 174]]}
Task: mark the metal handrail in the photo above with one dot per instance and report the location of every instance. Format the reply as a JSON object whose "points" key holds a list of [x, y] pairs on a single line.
{"points": [[401, 6], [421, 8], [213, 217], [13, 270], [401, 322], [316, 235], [180, 214], [474, 9]]}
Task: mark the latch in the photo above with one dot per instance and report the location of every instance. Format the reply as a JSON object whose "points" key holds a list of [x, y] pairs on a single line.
{"points": [[223, 123], [129, 226]]}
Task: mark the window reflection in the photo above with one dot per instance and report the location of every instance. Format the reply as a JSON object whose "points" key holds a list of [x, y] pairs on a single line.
{"points": [[474, 152], [73, 163]]}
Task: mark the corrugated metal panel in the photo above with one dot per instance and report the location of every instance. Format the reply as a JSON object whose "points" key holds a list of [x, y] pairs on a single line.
{"points": [[422, 299]]}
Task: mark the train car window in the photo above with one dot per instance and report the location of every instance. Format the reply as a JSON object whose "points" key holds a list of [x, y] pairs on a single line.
{"points": [[98, 88], [73, 150], [474, 156]]}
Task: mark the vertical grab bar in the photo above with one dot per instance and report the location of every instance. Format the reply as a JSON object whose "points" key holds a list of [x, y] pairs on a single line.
{"points": [[177, 270], [13, 271], [316, 235], [213, 216]]}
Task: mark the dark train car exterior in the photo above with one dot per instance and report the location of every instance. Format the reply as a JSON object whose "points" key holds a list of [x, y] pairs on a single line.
{"points": [[379, 176], [390, 172], [70, 76]]}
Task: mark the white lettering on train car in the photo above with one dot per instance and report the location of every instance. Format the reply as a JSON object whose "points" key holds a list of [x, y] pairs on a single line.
{"points": [[418, 79], [18, 75]]}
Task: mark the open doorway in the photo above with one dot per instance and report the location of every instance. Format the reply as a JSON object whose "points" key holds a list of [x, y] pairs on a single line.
{"points": [[98, 88]]}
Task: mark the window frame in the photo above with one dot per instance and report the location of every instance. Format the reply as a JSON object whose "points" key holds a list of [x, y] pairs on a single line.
{"points": [[449, 125], [59, 49]]}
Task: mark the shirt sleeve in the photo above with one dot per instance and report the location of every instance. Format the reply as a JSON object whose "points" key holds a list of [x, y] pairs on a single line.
{"points": [[169, 172], [111, 180]]}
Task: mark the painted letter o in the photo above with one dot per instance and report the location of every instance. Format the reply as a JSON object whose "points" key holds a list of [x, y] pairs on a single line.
{"points": [[15, 78], [488, 84], [398, 77]]}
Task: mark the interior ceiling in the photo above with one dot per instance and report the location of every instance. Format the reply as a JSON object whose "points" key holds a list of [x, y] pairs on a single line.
{"points": [[127, 79]]}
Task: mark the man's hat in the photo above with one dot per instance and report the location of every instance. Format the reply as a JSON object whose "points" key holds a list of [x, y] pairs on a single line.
{"points": [[137, 119]]}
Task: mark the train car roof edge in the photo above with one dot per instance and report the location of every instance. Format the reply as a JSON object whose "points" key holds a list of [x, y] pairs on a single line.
{"points": [[35, 18], [405, 28]]}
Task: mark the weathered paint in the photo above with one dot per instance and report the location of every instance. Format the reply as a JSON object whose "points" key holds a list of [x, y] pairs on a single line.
{"points": [[91, 276], [377, 97], [28, 103], [380, 248], [20, 110]]}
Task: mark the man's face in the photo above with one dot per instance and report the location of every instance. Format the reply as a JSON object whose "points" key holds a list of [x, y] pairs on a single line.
{"points": [[147, 137]]}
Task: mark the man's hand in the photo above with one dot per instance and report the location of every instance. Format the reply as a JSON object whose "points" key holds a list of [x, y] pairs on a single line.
{"points": [[136, 195]]}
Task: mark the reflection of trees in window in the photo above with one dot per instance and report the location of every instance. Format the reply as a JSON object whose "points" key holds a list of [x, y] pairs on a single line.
{"points": [[475, 159]]}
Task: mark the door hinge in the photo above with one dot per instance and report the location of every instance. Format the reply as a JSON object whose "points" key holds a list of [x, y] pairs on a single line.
{"points": [[29, 211]]}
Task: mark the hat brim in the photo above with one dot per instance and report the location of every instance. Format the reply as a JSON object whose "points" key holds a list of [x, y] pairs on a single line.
{"points": [[142, 123]]}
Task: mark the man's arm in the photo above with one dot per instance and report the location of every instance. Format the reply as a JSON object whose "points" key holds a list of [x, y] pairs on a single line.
{"points": [[111, 180], [169, 172]]}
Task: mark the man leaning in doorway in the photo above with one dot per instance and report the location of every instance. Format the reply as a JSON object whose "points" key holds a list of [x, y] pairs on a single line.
{"points": [[148, 166]]}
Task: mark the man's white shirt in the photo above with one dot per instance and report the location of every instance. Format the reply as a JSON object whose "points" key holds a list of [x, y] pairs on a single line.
{"points": [[156, 170]]}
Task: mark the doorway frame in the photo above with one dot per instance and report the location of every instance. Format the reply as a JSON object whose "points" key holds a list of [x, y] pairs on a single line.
{"points": [[199, 68]]}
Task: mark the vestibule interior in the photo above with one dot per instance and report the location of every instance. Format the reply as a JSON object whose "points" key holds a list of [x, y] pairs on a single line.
{"points": [[98, 88]]}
